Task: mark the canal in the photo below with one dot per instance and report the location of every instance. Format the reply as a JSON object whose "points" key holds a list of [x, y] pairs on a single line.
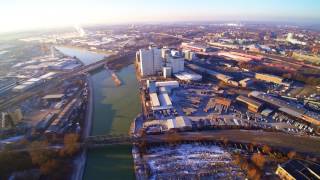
{"points": [[114, 110]]}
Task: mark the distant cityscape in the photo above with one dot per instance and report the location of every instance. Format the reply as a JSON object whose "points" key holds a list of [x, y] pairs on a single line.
{"points": [[196, 101]]}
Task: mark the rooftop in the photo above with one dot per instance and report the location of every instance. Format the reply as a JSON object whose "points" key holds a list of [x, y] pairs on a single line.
{"points": [[248, 100], [186, 76], [53, 96], [287, 107], [301, 169]]}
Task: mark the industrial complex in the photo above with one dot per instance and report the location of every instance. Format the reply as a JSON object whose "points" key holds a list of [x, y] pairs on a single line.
{"points": [[194, 88], [218, 101]]}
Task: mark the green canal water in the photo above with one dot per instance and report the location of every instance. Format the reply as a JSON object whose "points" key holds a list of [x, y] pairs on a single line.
{"points": [[113, 111]]}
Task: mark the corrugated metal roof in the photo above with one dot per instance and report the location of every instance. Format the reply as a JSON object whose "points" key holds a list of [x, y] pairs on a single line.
{"points": [[49, 74], [170, 124], [291, 112], [164, 99], [185, 76], [53, 96], [167, 83], [249, 101], [154, 99]]}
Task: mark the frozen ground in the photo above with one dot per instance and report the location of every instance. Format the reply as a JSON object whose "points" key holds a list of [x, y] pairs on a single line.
{"points": [[191, 161]]}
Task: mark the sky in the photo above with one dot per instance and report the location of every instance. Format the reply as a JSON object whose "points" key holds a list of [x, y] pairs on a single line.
{"points": [[17, 15]]}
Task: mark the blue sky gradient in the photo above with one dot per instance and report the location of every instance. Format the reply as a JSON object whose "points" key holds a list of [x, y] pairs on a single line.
{"points": [[28, 14]]}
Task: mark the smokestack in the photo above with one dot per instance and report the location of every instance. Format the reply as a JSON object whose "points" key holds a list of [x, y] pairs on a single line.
{"points": [[80, 30]]}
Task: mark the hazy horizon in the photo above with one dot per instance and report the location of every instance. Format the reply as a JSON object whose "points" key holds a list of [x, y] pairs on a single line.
{"points": [[19, 15]]}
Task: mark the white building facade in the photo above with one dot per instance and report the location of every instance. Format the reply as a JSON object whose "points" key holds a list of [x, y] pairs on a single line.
{"points": [[150, 61], [176, 64]]}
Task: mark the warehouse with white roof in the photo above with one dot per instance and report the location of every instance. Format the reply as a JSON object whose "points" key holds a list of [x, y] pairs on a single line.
{"points": [[159, 94]]}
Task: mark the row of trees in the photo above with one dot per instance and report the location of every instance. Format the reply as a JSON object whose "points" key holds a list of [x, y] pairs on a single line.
{"points": [[255, 164], [252, 166], [52, 163]]}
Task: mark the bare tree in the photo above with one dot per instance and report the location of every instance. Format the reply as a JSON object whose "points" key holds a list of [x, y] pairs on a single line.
{"points": [[266, 149], [254, 173], [71, 145], [291, 154], [258, 159], [39, 152]]}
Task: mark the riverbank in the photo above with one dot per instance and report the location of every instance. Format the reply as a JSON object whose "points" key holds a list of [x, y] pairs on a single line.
{"points": [[114, 108], [88, 123], [106, 53], [121, 62], [86, 57], [80, 161]]}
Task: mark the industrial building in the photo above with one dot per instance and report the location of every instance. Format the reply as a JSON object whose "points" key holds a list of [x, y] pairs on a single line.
{"points": [[269, 78], [33, 82], [291, 39], [11, 118], [289, 109], [167, 72], [164, 52], [53, 97], [159, 94], [217, 75], [165, 99], [46, 121], [177, 123], [48, 76], [160, 101], [188, 76], [234, 57], [252, 104], [150, 61], [239, 56], [169, 84], [154, 100], [194, 47], [25, 86], [65, 64], [176, 63], [247, 82], [295, 169], [153, 61], [174, 60], [189, 55], [180, 122]]}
